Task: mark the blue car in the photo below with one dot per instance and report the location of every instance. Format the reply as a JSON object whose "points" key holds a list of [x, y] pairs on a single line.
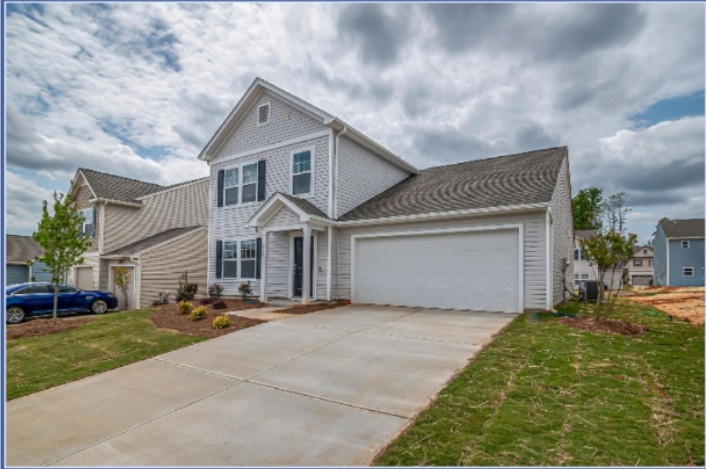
{"points": [[37, 298]]}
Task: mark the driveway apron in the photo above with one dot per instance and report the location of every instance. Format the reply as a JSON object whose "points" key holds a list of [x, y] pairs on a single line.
{"points": [[330, 388]]}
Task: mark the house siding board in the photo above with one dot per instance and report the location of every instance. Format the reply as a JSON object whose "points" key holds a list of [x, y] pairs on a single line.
{"points": [[562, 233], [534, 249], [278, 265], [680, 258], [286, 123], [362, 175], [162, 267], [180, 207]]}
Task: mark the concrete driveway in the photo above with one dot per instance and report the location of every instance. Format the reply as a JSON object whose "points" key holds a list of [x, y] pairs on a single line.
{"points": [[329, 388]]}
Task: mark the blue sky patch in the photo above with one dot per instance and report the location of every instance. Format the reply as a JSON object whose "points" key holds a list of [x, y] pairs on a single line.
{"points": [[670, 109]]}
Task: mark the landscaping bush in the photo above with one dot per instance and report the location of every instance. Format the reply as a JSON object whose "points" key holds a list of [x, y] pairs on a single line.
{"points": [[221, 322], [184, 307], [198, 313], [186, 290], [220, 305], [205, 301], [215, 291], [245, 290]]}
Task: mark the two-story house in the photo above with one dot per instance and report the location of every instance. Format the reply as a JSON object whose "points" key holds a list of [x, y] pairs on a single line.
{"points": [[585, 271], [156, 232], [679, 253], [305, 206], [640, 267]]}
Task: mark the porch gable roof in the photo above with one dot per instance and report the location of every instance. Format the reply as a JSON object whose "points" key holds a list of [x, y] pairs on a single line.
{"points": [[304, 209]]}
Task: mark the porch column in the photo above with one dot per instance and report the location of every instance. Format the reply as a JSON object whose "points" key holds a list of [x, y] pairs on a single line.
{"points": [[263, 267], [306, 264]]}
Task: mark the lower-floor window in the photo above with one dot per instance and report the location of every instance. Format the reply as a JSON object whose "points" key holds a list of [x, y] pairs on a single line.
{"points": [[239, 259], [230, 259], [688, 271]]}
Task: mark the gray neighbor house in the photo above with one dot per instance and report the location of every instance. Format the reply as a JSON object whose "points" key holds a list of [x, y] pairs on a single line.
{"points": [[679, 253], [304, 206], [19, 257]]}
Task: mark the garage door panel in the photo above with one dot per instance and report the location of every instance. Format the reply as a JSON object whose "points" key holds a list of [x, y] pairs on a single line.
{"points": [[472, 270]]}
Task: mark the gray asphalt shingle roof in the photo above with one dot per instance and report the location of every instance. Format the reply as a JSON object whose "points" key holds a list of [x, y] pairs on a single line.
{"points": [[693, 228], [111, 187], [522, 178], [305, 205], [20, 249], [150, 241]]}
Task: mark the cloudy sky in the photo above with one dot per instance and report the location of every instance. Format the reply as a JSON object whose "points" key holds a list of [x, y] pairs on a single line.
{"points": [[138, 89]]}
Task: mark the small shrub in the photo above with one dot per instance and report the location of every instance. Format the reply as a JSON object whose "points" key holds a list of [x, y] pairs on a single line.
{"points": [[184, 307], [186, 290], [205, 301], [215, 291], [198, 313], [245, 290], [220, 305], [221, 322], [156, 303]]}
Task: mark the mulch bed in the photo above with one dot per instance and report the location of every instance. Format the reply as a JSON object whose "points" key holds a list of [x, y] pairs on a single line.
{"points": [[43, 326], [614, 326], [168, 317], [313, 307]]}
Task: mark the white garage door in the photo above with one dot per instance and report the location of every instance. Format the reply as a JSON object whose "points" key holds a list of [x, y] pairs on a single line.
{"points": [[469, 270]]}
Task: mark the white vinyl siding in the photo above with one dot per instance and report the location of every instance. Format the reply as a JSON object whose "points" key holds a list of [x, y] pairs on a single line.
{"points": [[562, 232], [362, 175]]}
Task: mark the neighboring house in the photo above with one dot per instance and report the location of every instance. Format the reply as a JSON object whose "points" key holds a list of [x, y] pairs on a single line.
{"points": [[679, 253], [156, 232], [584, 271], [640, 267], [305, 206], [20, 252]]}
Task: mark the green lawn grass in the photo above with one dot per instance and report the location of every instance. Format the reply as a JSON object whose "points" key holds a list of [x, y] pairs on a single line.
{"points": [[111, 341], [546, 394]]}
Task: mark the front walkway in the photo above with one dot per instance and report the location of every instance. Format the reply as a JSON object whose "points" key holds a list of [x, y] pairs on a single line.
{"points": [[328, 388]]}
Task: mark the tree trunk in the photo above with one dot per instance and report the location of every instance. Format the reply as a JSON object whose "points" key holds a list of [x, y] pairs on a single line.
{"points": [[56, 302]]}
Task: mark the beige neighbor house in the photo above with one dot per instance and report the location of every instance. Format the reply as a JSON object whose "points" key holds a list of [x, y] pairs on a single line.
{"points": [[156, 232], [306, 207], [641, 268], [583, 269]]}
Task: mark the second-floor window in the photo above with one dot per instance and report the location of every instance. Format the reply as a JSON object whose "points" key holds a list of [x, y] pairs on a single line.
{"points": [[301, 172], [89, 224], [230, 186], [637, 262], [250, 182]]}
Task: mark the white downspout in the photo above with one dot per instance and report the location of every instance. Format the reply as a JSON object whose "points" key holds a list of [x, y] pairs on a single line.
{"points": [[137, 270], [331, 143], [335, 205]]}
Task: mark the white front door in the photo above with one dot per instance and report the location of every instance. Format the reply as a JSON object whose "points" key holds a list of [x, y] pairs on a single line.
{"points": [[478, 270]]}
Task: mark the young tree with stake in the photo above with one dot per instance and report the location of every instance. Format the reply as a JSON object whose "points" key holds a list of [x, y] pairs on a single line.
{"points": [[62, 238]]}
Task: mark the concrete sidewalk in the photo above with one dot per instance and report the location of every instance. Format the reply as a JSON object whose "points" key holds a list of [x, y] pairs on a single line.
{"points": [[327, 388]]}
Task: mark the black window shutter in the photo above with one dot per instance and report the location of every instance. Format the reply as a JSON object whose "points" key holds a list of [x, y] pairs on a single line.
{"points": [[258, 259], [261, 168], [221, 177], [219, 259]]}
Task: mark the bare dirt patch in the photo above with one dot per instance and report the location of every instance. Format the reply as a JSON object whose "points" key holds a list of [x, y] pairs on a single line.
{"points": [[43, 326], [683, 303], [615, 326], [312, 308], [168, 317]]}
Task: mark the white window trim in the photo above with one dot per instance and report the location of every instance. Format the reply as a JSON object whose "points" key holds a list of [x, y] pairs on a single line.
{"points": [[240, 184], [312, 170], [684, 274], [685, 244], [238, 260], [269, 113]]}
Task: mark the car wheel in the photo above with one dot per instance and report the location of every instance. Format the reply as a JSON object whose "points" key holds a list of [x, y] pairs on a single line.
{"points": [[15, 315], [99, 307]]}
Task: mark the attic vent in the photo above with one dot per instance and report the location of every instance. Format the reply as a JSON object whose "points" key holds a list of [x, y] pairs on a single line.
{"points": [[263, 114]]}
